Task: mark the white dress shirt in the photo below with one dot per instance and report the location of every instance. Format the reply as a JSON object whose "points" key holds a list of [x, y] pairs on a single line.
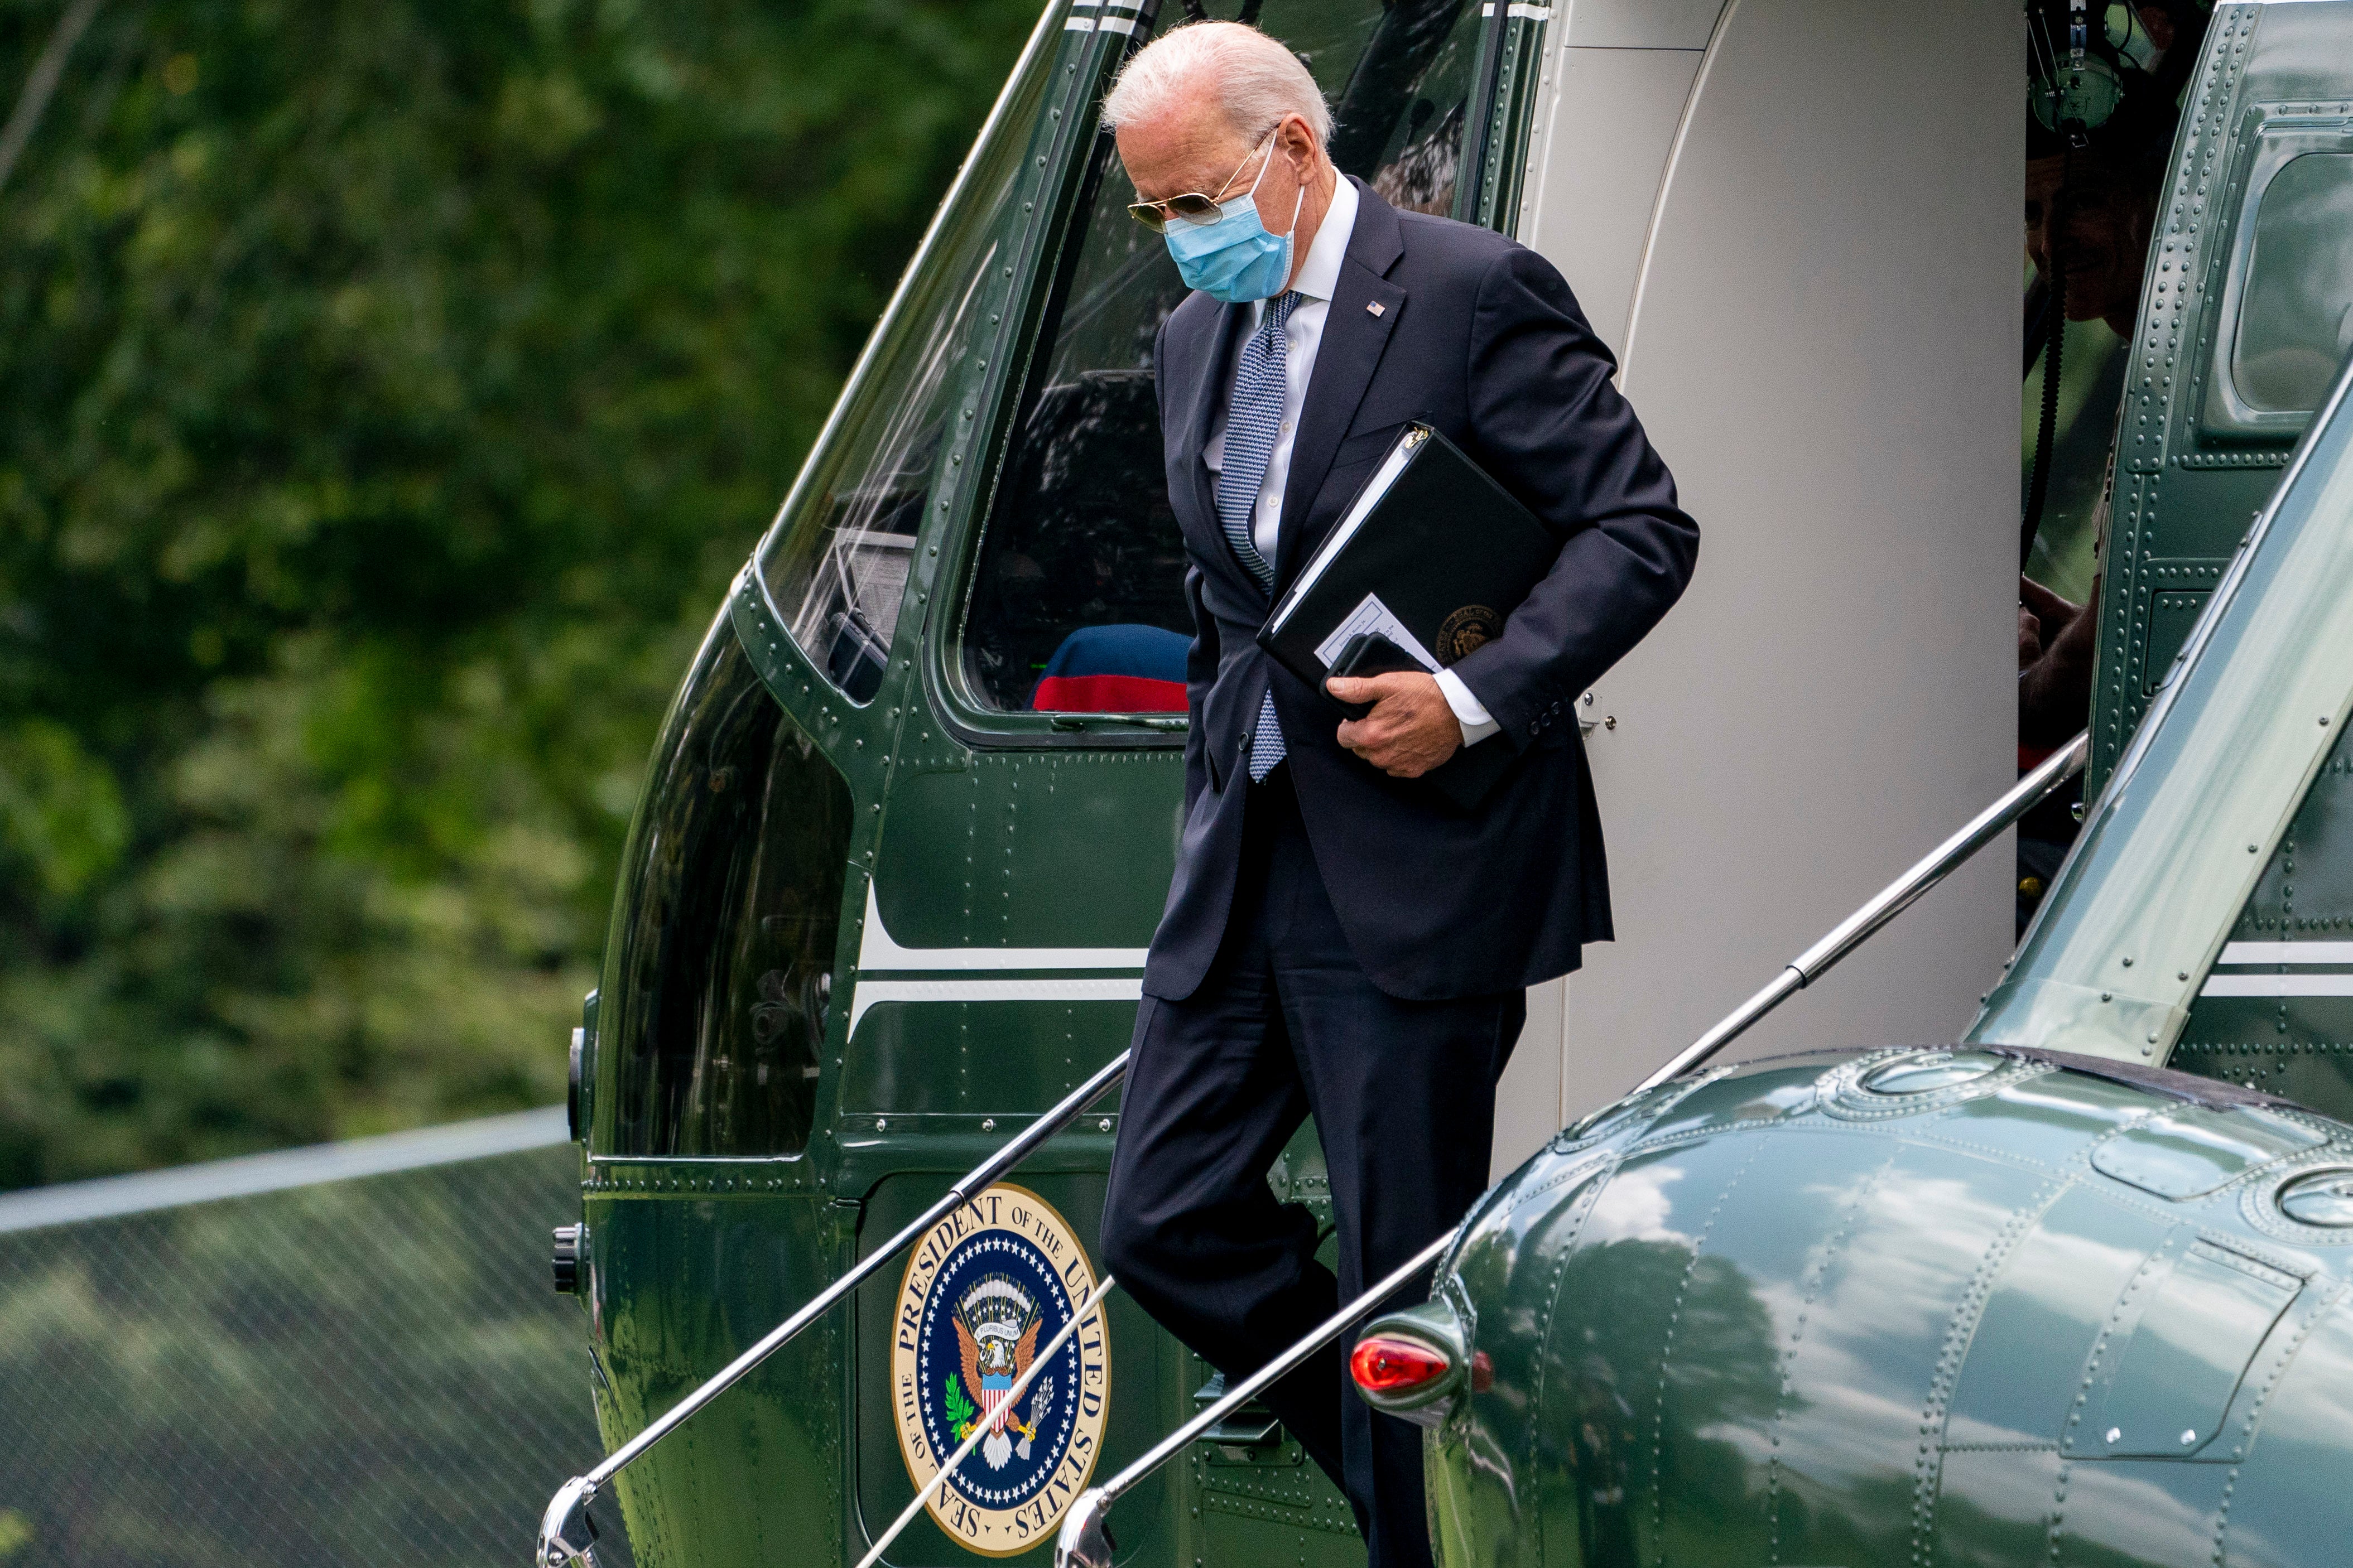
{"points": [[1314, 280]]}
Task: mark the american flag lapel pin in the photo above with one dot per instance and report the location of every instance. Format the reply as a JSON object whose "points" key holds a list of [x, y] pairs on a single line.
{"points": [[1375, 309]]}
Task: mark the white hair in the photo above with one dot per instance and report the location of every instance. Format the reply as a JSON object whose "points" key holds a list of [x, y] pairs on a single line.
{"points": [[1255, 80]]}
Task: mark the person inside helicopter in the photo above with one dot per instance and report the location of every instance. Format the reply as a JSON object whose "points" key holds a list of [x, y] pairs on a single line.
{"points": [[2099, 134], [2099, 206]]}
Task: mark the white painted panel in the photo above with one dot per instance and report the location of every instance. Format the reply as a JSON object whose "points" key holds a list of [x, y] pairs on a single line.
{"points": [[1642, 24], [1613, 122], [1824, 347], [1527, 1102]]}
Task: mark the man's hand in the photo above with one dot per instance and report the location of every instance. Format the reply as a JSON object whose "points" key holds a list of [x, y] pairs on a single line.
{"points": [[2051, 614], [1410, 730], [2055, 692]]}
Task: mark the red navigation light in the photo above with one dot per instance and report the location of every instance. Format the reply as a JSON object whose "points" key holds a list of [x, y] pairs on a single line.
{"points": [[1391, 1365]]}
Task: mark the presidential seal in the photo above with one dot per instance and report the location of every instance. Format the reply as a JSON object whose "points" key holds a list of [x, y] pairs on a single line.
{"points": [[985, 1291], [1466, 629]]}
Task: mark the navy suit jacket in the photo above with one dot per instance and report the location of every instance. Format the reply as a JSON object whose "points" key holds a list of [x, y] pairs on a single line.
{"points": [[1479, 337]]}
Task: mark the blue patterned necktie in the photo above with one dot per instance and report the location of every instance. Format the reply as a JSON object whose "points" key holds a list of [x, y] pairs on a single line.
{"points": [[1253, 424]]}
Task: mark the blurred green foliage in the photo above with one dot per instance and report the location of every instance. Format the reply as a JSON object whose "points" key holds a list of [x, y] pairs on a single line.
{"points": [[386, 394]]}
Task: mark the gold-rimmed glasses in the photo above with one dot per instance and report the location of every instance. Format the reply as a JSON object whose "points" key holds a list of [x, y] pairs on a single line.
{"points": [[1193, 207]]}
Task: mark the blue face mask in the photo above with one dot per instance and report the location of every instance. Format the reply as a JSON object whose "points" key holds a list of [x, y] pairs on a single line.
{"points": [[1234, 259]]}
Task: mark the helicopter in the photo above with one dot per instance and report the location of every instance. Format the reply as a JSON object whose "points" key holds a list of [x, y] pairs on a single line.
{"points": [[883, 914]]}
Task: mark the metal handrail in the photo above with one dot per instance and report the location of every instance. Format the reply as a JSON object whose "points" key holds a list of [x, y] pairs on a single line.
{"points": [[1885, 905], [1085, 1540], [567, 1535]]}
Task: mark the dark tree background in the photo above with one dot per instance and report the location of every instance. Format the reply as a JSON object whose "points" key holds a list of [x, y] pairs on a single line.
{"points": [[387, 392]]}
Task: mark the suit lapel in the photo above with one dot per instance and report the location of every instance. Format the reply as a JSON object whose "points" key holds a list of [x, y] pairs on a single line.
{"points": [[1355, 335]]}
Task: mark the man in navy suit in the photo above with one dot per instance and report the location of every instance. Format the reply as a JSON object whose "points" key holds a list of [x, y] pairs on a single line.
{"points": [[1339, 941]]}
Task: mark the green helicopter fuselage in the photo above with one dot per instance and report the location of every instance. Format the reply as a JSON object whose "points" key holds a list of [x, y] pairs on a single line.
{"points": [[910, 824]]}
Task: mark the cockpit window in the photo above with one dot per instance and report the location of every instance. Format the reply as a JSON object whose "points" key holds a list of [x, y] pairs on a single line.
{"points": [[1077, 600], [836, 563], [715, 1004], [2296, 317]]}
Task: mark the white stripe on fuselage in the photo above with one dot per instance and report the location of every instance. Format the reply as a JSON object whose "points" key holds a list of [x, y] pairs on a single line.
{"points": [[878, 955], [2289, 955], [871, 992], [2286, 952], [2277, 985]]}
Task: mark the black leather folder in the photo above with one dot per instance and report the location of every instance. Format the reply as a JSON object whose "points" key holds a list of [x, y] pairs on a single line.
{"points": [[1424, 566]]}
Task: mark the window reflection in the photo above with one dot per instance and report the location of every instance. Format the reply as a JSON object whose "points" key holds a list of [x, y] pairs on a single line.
{"points": [[2295, 324], [1402, 113], [715, 1006], [1082, 537]]}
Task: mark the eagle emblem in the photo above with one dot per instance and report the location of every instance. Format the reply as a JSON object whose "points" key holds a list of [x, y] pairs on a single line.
{"points": [[997, 1331], [985, 1293], [1467, 630]]}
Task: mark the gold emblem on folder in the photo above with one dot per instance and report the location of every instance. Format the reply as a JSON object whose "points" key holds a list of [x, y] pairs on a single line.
{"points": [[1465, 630]]}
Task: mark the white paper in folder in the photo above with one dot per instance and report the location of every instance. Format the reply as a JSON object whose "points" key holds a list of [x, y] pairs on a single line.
{"points": [[1371, 615]]}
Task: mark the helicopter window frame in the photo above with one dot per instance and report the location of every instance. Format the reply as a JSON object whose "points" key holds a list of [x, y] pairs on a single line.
{"points": [[2274, 142], [973, 713], [1050, 259], [1490, 147]]}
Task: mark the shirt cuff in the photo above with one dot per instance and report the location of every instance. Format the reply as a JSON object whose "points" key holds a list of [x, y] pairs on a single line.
{"points": [[1476, 722]]}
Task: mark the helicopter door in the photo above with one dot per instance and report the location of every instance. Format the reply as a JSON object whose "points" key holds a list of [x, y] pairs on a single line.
{"points": [[1795, 221]]}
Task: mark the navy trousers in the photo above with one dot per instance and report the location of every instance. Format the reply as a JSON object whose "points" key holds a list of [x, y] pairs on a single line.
{"points": [[1286, 1025]]}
